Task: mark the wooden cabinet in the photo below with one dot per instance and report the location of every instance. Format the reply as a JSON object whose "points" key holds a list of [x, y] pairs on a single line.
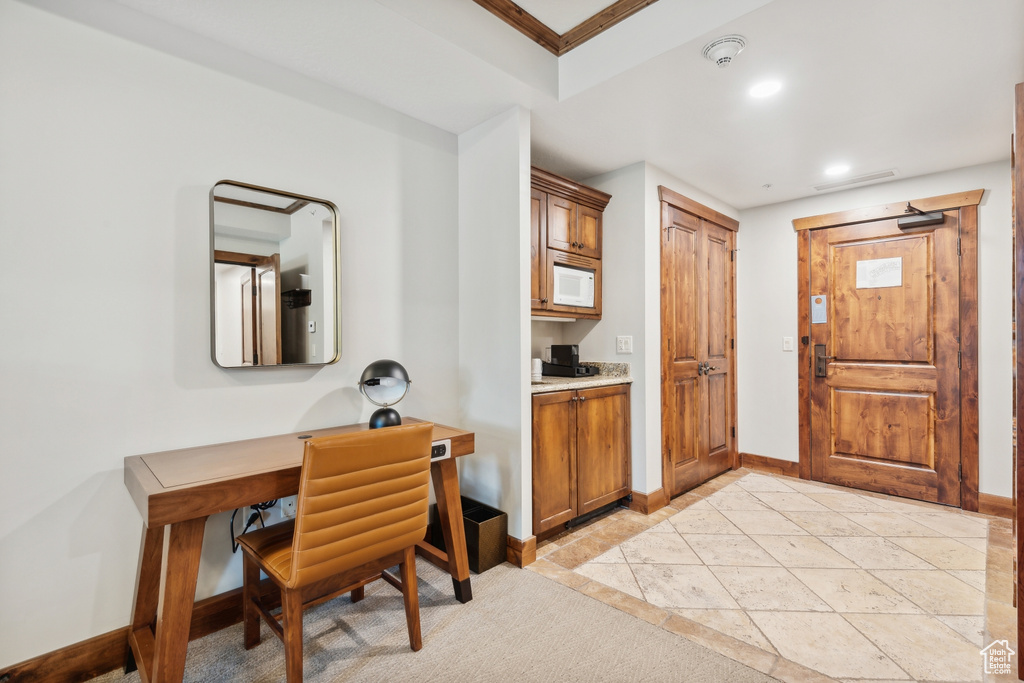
{"points": [[565, 229], [581, 453]]}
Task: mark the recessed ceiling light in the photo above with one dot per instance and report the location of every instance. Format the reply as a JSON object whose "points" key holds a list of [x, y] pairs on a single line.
{"points": [[765, 89], [837, 169]]}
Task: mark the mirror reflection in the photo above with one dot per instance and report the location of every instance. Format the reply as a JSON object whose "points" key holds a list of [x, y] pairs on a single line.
{"points": [[274, 292]]}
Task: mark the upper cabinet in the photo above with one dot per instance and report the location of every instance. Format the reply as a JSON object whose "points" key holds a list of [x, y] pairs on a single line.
{"points": [[565, 247]]}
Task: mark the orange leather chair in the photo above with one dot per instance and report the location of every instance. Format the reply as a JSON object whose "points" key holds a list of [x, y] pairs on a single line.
{"points": [[362, 507]]}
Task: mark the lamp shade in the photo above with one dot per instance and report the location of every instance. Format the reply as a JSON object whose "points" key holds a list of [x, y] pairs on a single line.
{"points": [[384, 383]]}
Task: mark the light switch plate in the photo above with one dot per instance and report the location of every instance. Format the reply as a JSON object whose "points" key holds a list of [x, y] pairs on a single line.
{"points": [[787, 343], [624, 344], [312, 326]]}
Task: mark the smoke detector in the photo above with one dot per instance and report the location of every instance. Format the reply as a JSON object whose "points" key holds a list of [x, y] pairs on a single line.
{"points": [[722, 50]]}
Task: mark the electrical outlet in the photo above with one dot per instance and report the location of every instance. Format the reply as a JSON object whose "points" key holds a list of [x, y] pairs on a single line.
{"points": [[312, 326], [624, 344], [288, 506]]}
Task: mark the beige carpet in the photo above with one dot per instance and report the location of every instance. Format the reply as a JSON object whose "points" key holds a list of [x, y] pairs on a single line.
{"points": [[519, 626]]}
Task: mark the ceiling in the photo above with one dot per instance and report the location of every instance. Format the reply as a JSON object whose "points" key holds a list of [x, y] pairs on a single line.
{"points": [[915, 86]]}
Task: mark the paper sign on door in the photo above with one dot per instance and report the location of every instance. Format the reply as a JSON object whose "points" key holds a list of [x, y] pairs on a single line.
{"points": [[880, 272], [819, 309]]}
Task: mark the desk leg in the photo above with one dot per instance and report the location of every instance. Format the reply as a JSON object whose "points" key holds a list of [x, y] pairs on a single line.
{"points": [[147, 587], [177, 593], [449, 509]]}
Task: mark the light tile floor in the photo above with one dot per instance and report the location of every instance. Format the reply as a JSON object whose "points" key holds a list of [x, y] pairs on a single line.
{"points": [[805, 581]]}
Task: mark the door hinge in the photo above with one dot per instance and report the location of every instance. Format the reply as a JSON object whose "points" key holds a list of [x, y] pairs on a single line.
{"points": [[960, 472], [734, 432], [959, 359], [732, 253], [957, 246], [732, 343]]}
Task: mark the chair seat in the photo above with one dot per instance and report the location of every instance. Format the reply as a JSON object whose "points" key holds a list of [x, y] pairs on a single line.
{"points": [[272, 547]]}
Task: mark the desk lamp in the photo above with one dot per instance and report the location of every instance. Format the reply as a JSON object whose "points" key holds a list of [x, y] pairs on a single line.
{"points": [[384, 383]]}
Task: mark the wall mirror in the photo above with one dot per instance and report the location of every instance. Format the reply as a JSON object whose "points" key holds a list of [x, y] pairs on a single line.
{"points": [[274, 277]]}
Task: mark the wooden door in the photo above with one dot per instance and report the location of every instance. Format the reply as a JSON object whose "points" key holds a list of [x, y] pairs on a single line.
{"points": [[602, 446], [884, 344], [561, 223], [554, 459], [538, 221], [588, 231], [698, 365], [249, 308], [716, 300], [681, 357]]}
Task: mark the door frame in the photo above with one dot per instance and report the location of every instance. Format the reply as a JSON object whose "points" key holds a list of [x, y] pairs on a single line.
{"points": [[1017, 192], [966, 203], [669, 197]]}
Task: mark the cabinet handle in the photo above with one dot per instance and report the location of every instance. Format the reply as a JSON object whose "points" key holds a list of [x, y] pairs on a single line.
{"points": [[713, 367], [544, 301], [583, 398]]}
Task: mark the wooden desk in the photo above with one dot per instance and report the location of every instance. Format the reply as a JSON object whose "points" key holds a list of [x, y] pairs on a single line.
{"points": [[180, 489]]}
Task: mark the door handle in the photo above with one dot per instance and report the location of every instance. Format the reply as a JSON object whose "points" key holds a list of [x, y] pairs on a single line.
{"points": [[821, 361]]}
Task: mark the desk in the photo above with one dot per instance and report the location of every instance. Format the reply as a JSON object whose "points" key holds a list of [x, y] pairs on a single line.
{"points": [[177, 490]]}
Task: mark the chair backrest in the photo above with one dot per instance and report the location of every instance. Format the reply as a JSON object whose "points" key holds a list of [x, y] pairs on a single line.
{"points": [[362, 495]]}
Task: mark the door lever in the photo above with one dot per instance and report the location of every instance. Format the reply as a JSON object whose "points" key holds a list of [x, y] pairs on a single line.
{"points": [[821, 361]]}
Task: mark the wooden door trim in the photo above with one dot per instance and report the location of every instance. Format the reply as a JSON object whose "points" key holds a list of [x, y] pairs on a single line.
{"points": [[968, 400], [689, 206], [876, 213], [803, 286], [1018, 303], [969, 458]]}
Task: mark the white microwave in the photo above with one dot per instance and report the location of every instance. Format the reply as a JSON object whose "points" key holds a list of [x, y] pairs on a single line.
{"points": [[573, 287]]}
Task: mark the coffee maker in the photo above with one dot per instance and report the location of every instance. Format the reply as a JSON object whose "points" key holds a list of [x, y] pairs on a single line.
{"points": [[565, 362]]}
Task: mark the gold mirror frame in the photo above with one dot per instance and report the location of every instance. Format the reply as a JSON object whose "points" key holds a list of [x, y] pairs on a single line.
{"points": [[275, 278]]}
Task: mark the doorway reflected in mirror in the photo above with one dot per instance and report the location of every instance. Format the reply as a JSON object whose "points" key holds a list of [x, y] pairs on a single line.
{"points": [[274, 277]]}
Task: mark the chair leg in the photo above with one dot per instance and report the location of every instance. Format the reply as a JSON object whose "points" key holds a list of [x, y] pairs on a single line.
{"points": [[250, 592], [411, 597], [291, 623]]}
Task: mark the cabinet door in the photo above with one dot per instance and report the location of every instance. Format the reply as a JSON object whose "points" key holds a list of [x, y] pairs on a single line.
{"points": [[602, 445], [561, 223], [588, 231], [538, 219], [554, 459]]}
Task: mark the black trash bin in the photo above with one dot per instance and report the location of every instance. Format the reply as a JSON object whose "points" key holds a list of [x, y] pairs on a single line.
{"points": [[486, 531]]}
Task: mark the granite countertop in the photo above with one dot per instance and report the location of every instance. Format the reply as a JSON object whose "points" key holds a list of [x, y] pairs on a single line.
{"points": [[610, 373]]}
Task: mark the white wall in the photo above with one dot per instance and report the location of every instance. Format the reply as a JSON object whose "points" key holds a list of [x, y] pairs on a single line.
{"points": [[109, 152], [494, 315], [767, 310]]}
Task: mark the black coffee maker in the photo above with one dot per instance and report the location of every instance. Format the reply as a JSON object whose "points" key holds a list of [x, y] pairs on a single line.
{"points": [[565, 362]]}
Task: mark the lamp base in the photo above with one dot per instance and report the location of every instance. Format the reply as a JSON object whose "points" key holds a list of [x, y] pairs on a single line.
{"points": [[385, 417]]}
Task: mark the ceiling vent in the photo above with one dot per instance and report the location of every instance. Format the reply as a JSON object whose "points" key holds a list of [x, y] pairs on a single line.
{"points": [[722, 50], [856, 181]]}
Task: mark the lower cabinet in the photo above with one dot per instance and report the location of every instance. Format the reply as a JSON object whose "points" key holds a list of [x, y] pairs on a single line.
{"points": [[581, 453]]}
